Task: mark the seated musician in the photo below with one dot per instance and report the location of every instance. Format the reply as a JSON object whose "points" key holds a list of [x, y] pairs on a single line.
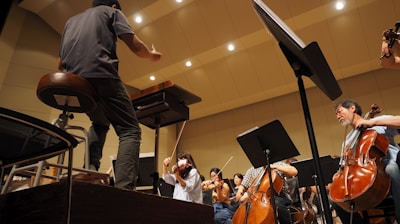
{"points": [[223, 210], [184, 177], [390, 57], [237, 179], [348, 112], [283, 200]]}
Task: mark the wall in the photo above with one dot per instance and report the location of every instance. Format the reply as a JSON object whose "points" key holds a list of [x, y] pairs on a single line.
{"points": [[212, 140], [29, 50]]}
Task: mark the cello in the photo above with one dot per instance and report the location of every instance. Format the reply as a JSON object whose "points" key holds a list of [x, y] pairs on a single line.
{"points": [[257, 209], [362, 183]]}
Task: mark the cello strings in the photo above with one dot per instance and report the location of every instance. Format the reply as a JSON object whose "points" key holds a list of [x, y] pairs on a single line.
{"points": [[344, 146]]}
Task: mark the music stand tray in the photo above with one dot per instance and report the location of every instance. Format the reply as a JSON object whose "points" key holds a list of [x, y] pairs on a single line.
{"points": [[272, 137], [306, 170]]}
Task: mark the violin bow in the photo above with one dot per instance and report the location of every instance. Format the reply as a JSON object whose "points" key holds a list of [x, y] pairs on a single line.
{"points": [[177, 140], [226, 163]]}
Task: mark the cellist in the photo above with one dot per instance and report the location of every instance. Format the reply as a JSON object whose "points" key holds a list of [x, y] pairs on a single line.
{"points": [[349, 114], [282, 201]]}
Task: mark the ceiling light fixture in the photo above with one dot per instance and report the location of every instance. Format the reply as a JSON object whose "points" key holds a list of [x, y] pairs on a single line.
{"points": [[138, 19], [339, 5], [231, 47], [188, 64], [152, 78], [178, 1]]}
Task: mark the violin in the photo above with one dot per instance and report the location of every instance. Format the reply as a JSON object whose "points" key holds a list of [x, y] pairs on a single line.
{"points": [[391, 35], [209, 184]]}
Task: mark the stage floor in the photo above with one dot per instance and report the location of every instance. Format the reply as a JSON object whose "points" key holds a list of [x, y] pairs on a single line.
{"points": [[93, 203]]}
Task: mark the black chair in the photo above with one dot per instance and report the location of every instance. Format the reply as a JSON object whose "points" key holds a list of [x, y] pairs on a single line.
{"points": [[385, 210], [25, 140], [207, 197]]}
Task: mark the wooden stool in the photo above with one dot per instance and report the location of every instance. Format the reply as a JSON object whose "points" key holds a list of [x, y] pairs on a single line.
{"points": [[69, 93]]}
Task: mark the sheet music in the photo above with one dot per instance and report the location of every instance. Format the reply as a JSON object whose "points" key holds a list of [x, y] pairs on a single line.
{"points": [[248, 131], [278, 21]]}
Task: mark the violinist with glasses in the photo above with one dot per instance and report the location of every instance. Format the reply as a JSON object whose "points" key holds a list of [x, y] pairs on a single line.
{"points": [[185, 177], [223, 211], [348, 112]]}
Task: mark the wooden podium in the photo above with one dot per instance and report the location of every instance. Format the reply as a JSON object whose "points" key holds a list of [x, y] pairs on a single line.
{"points": [[93, 203], [161, 105]]}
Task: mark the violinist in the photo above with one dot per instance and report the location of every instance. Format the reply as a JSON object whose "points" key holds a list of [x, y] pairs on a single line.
{"points": [[184, 177], [237, 179], [348, 112], [223, 211], [283, 200], [390, 56]]}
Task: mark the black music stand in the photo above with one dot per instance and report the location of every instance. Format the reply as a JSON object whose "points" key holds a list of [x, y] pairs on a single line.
{"points": [[306, 171], [159, 106], [304, 60], [308, 177], [266, 145]]}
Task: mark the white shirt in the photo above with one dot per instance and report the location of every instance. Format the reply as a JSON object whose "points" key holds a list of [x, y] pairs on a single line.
{"points": [[191, 192]]}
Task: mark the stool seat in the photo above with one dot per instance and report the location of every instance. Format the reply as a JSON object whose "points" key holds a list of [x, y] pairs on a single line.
{"points": [[67, 92]]}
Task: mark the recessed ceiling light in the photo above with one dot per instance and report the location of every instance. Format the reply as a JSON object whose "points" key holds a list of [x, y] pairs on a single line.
{"points": [[138, 19], [188, 64], [231, 47], [339, 5], [178, 1], [152, 78]]}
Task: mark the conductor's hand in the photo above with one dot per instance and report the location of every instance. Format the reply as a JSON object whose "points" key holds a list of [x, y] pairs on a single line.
{"points": [[155, 55]]}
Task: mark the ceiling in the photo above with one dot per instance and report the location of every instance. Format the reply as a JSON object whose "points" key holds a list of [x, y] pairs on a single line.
{"points": [[257, 70]]}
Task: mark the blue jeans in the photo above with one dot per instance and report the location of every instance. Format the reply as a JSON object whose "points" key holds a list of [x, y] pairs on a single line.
{"points": [[283, 205], [222, 213], [393, 171], [115, 108]]}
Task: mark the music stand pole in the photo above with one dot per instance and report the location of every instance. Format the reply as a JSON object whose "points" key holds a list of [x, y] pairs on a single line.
{"points": [[271, 187], [156, 146], [317, 164], [318, 195]]}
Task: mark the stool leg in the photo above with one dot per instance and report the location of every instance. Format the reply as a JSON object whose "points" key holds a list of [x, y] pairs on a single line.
{"points": [[84, 139], [38, 173], [2, 178], [9, 179]]}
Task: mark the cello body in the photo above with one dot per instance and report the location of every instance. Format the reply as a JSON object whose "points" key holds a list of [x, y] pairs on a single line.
{"points": [[362, 183], [258, 208]]}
